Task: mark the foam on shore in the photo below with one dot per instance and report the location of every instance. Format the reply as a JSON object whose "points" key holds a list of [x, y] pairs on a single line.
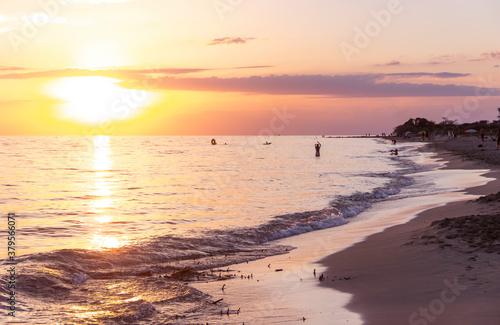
{"points": [[294, 292]]}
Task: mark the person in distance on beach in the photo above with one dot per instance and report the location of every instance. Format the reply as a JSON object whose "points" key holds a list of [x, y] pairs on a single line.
{"points": [[498, 139], [481, 133]]}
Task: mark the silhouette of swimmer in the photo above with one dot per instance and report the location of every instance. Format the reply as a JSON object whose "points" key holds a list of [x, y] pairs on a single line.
{"points": [[214, 142], [394, 152], [317, 146]]}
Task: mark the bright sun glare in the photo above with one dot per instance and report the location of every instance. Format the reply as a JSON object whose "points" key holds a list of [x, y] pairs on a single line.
{"points": [[93, 100]]}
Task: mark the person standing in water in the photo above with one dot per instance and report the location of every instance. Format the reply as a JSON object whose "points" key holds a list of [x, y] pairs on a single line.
{"points": [[317, 146]]}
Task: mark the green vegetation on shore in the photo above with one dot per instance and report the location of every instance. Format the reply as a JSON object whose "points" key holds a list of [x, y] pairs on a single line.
{"points": [[417, 125]]}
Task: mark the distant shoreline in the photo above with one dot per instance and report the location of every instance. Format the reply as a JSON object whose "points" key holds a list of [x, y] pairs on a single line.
{"points": [[401, 273]]}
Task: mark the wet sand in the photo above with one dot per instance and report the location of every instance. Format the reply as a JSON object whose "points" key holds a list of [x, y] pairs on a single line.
{"points": [[378, 279], [428, 271]]}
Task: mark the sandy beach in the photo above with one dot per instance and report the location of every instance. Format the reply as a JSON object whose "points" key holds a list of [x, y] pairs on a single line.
{"points": [[428, 271], [394, 264]]}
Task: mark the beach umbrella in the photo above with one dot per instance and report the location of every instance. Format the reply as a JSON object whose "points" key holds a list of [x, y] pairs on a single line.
{"points": [[421, 132], [470, 131], [409, 132]]}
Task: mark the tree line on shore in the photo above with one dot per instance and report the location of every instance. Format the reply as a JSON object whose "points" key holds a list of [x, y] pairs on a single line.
{"points": [[419, 124]]}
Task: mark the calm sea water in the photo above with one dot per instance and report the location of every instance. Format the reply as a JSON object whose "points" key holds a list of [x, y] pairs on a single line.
{"points": [[109, 229]]}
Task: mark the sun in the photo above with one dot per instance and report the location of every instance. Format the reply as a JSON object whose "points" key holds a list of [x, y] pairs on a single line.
{"points": [[94, 100]]}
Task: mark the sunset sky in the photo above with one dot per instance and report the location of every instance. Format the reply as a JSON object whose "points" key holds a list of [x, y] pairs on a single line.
{"points": [[217, 67]]}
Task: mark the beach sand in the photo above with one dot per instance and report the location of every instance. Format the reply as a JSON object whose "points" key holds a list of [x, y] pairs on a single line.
{"points": [[429, 272], [390, 265]]}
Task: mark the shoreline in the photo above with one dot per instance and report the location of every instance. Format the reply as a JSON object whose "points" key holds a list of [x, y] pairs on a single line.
{"points": [[283, 288], [408, 275]]}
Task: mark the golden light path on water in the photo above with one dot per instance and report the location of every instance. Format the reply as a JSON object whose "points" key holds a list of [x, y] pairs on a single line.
{"points": [[102, 191]]}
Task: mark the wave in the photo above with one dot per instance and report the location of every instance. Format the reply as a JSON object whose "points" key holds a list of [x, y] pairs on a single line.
{"points": [[73, 265], [138, 282], [339, 211]]}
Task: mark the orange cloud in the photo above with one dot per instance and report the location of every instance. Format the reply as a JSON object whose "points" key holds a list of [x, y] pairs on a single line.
{"points": [[8, 68], [230, 40]]}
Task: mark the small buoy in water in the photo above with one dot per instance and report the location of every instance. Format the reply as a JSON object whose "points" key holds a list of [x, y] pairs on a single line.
{"points": [[214, 142]]}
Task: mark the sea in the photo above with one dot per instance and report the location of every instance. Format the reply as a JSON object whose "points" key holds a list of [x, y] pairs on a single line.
{"points": [[114, 229]]}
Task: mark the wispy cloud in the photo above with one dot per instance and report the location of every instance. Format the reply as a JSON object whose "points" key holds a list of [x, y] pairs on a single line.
{"points": [[254, 67], [443, 59], [122, 74], [230, 40], [18, 21], [492, 55], [9, 68], [119, 74], [440, 75], [458, 58], [393, 62]]}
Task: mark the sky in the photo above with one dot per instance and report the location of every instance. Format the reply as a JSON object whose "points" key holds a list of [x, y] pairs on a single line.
{"points": [[241, 67]]}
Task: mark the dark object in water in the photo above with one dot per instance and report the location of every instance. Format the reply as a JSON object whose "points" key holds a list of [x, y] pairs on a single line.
{"points": [[145, 273], [184, 274]]}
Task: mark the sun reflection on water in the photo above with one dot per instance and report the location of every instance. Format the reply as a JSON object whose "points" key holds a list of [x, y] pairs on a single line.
{"points": [[102, 153], [100, 204], [101, 242], [102, 191], [103, 219], [103, 183]]}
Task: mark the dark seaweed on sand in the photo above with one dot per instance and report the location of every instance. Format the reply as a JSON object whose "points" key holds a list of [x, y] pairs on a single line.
{"points": [[489, 198], [479, 231]]}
